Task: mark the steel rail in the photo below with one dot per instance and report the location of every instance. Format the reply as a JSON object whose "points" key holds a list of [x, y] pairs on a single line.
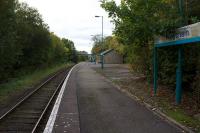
{"points": [[29, 95], [48, 104]]}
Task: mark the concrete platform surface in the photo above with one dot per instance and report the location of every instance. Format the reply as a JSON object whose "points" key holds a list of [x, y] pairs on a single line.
{"points": [[67, 120], [90, 104], [64, 117]]}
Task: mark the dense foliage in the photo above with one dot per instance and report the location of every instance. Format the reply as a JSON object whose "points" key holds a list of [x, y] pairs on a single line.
{"points": [[109, 42], [26, 42], [138, 22], [82, 56]]}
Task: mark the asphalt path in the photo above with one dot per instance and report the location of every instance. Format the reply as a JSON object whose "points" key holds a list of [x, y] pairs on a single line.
{"points": [[104, 109]]}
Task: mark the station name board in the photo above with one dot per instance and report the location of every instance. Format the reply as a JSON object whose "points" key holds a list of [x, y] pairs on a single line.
{"points": [[188, 31]]}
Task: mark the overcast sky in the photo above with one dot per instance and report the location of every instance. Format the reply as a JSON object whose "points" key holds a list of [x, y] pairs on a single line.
{"points": [[74, 19]]}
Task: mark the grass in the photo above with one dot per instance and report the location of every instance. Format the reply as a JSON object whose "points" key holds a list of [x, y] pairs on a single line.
{"points": [[23, 82], [179, 115]]}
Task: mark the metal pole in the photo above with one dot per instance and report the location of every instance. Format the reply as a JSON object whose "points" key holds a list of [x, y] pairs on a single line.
{"points": [[102, 65], [179, 76], [101, 56], [95, 59], [155, 70], [179, 72], [102, 29]]}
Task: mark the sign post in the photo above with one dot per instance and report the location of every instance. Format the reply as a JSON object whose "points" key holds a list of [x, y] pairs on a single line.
{"points": [[155, 68], [185, 35], [179, 75]]}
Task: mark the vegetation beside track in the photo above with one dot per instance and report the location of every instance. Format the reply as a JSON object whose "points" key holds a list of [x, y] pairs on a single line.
{"points": [[138, 23], [25, 81], [27, 43]]}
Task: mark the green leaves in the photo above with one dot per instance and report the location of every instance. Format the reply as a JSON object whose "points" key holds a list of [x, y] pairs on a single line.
{"points": [[8, 51], [26, 42], [141, 19], [137, 22], [109, 42]]}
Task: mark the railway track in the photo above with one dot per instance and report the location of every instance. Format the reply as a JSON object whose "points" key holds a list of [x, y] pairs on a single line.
{"points": [[26, 115]]}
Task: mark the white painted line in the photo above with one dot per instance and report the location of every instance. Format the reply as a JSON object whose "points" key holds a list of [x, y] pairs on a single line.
{"points": [[52, 118]]}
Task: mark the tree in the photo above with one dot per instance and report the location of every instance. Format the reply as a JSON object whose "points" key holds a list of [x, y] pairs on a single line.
{"points": [[192, 10], [8, 50], [112, 42], [33, 36], [26, 42], [109, 42], [72, 50], [82, 56], [98, 45], [138, 22]]}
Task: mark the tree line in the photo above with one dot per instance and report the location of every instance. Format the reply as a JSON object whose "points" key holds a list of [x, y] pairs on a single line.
{"points": [[138, 22], [109, 42], [26, 42]]}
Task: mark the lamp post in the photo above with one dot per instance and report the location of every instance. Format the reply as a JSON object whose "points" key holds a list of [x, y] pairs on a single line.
{"points": [[101, 27], [102, 40]]}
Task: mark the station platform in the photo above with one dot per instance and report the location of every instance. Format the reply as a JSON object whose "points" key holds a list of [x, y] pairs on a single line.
{"points": [[91, 104], [64, 117]]}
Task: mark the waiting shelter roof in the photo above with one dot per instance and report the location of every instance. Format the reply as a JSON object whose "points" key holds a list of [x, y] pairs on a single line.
{"points": [[178, 42], [107, 51]]}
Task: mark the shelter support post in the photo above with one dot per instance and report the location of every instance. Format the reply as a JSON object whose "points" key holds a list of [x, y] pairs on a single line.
{"points": [[155, 69], [95, 59], [179, 76], [102, 62]]}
